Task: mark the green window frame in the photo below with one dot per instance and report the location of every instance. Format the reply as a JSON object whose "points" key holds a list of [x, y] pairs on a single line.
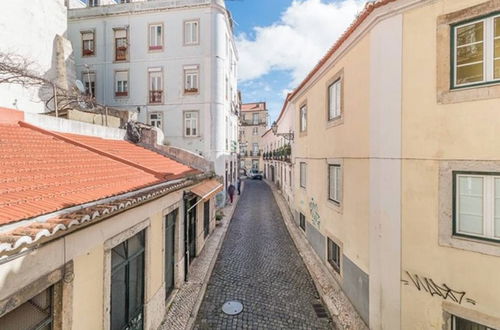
{"points": [[476, 205], [487, 43]]}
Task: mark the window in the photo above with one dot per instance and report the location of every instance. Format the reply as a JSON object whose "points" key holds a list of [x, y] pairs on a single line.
{"points": [[242, 164], [155, 85], [255, 131], [88, 43], [255, 164], [334, 99], [477, 205], [227, 88], [335, 180], [255, 150], [121, 45], [303, 174], [191, 79], [156, 119], [303, 118], [121, 83], [459, 323], [255, 118], [36, 313], [124, 1], [191, 123], [334, 255], [127, 283], [302, 221], [191, 32], [88, 79], [476, 53], [93, 3], [155, 36], [170, 220]]}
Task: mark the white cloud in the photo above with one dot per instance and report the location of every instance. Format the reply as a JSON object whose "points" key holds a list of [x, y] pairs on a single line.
{"points": [[305, 31]]}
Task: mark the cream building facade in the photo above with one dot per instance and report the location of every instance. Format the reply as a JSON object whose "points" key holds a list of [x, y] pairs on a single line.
{"points": [[253, 124], [401, 201]]}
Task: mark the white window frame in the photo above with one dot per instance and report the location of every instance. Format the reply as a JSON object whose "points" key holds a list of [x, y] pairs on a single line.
{"points": [[335, 183], [93, 3], [122, 88], [156, 122], [191, 79], [303, 174], [83, 34], [255, 118], [86, 76], [488, 205], [488, 51], [155, 43], [335, 99], [155, 83], [255, 131], [192, 123], [194, 35], [454, 324], [303, 118]]}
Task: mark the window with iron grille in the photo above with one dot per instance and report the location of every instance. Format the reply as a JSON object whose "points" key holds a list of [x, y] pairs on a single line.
{"points": [[191, 79], [127, 283], [121, 83], [302, 221], [121, 45], [155, 85], [334, 255], [37, 313], [88, 43]]}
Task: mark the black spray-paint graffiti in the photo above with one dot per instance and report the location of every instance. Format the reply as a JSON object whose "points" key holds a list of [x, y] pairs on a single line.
{"points": [[444, 291]]}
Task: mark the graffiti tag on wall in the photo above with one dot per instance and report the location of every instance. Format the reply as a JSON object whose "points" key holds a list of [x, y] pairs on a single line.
{"points": [[313, 208], [444, 291]]}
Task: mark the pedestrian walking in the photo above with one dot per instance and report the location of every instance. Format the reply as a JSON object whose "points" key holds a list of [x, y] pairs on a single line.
{"points": [[230, 191], [239, 186]]}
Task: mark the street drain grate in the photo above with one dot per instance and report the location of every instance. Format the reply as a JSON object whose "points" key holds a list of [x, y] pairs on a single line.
{"points": [[320, 311], [232, 307]]}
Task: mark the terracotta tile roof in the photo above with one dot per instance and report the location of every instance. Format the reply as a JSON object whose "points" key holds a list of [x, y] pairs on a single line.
{"points": [[257, 106], [368, 9], [42, 172]]}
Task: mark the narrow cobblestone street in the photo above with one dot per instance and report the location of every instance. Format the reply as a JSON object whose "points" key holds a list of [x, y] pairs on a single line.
{"points": [[260, 267]]}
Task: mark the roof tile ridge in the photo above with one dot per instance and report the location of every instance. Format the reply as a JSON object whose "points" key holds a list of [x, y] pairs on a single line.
{"points": [[93, 149]]}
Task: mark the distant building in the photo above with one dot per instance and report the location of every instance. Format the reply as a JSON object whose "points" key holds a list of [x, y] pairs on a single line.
{"points": [[253, 124], [171, 62]]}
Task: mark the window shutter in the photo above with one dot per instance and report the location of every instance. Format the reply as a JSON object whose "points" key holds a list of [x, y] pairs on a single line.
{"points": [[121, 33]]}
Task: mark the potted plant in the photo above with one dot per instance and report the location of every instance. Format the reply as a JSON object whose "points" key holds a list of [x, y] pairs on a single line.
{"points": [[219, 215]]}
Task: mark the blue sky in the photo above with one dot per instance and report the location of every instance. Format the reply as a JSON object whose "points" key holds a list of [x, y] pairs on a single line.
{"points": [[280, 41]]}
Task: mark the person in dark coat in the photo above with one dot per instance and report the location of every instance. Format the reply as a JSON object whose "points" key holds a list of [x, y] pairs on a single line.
{"points": [[239, 186], [231, 190]]}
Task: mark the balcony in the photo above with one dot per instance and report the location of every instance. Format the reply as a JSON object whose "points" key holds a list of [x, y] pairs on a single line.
{"points": [[121, 53], [155, 96], [252, 122]]}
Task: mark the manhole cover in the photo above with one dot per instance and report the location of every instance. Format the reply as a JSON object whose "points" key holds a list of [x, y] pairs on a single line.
{"points": [[232, 307]]}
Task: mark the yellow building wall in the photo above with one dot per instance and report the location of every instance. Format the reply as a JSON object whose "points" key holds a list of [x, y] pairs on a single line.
{"points": [[88, 287], [348, 142], [433, 133]]}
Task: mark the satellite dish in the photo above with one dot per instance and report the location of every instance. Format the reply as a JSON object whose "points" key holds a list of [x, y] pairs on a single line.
{"points": [[80, 86]]}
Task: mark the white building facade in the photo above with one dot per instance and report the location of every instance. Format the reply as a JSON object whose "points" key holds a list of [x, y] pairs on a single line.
{"points": [[173, 63], [35, 31]]}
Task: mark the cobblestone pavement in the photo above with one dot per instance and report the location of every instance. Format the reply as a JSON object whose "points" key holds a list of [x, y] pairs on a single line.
{"points": [[260, 267]]}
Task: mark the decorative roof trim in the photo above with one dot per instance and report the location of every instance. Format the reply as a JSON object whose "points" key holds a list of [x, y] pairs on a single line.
{"points": [[37, 233]]}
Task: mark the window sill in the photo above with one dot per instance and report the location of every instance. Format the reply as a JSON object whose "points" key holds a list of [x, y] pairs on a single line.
{"points": [[335, 121], [336, 206], [155, 49], [468, 243]]}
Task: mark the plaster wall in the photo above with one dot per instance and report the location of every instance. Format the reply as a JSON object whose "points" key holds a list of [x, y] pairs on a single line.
{"points": [[39, 22], [434, 134]]}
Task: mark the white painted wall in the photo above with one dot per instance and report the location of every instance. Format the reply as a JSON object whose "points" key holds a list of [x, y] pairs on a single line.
{"points": [[215, 57], [29, 28], [385, 174]]}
